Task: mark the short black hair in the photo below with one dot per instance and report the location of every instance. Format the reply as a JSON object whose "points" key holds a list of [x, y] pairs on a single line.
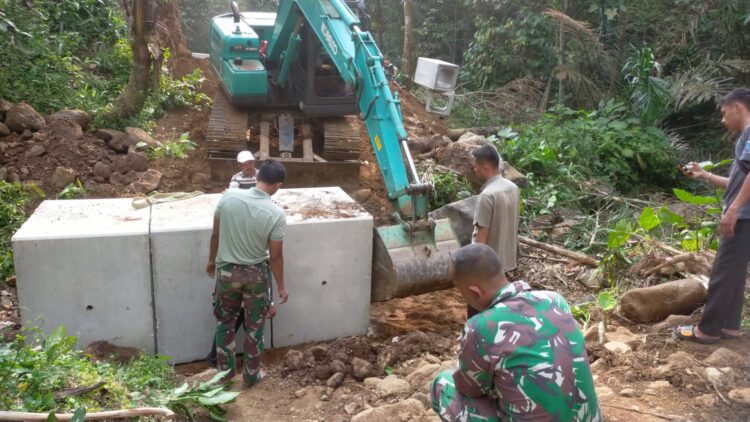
{"points": [[271, 172], [487, 154], [478, 262], [738, 96]]}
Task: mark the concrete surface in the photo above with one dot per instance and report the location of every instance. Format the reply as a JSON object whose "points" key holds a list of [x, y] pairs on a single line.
{"points": [[180, 235], [137, 277], [85, 264], [328, 261]]}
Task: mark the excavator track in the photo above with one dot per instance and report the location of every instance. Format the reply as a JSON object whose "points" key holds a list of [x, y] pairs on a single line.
{"points": [[227, 126], [342, 139]]}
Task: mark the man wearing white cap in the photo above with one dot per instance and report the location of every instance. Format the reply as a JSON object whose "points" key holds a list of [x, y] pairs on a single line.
{"points": [[245, 179]]}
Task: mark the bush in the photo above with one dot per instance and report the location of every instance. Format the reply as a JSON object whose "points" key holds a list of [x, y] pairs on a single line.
{"points": [[13, 199]]}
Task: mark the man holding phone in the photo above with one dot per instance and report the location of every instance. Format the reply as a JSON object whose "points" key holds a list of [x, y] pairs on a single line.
{"points": [[723, 311]]}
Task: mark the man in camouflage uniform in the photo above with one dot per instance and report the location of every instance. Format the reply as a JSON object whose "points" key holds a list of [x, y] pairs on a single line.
{"points": [[522, 357], [246, 247]]}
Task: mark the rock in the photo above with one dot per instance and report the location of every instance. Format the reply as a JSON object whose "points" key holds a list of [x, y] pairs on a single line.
{"points": [[725, 357], [22, 117], [707, 400], [35, 151], [118, 141], [335, 380], [671, 321], [360, 348], [386, 358], [604, 391], [457, 156], [324, 397], [719, 377], [592, 333], [149, 181], [622, 335], [361, 369], [78, 116], [680, 360], [63, 177], [362, 195], [655, 303], [600, 365], [659, 384], [319, 353], [422, 145], [200, 179], [392, 386], [461, 215], [27, 134], [136, 161], [4, 131], [351, 408], [337, 366], [740, 395], [397, 412], [617, 347], [429, 358], [628, 392], [422, 377], [119, 179], [25, 171], [5, 106], [423, 398], [64, 129], [13, 177], [300, 393], [102, 170], [140, 136], [322, 372], [40, 137], [372, 382]]}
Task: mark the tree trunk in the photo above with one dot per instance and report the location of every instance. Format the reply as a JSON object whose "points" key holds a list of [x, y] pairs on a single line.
{"points": [[379, 22], [134, 95], [408, 37], [561, 56], [168, 34]]}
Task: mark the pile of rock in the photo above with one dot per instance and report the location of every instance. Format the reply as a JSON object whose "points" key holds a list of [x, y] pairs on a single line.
{"points": [[55, 151]]}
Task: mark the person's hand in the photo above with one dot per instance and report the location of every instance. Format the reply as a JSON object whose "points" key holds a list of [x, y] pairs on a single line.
{"points": [[694, 171], [283, 296], [211, 269], [272, 312], [728, 221]]}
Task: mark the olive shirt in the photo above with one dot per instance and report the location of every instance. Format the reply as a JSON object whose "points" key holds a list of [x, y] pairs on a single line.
{"points": [[248, 220], [497, 209]]}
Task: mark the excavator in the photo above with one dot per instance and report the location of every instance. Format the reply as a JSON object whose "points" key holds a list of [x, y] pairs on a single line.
{"points": [[296, 85]]}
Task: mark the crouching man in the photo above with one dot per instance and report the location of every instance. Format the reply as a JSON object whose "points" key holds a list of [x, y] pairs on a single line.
{"points": [[522, 356]]}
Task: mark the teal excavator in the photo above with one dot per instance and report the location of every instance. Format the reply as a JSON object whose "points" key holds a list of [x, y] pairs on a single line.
{"points": [[295, 86]]}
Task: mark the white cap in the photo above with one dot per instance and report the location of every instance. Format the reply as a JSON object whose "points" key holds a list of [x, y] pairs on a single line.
{"points": [[245, 156]]}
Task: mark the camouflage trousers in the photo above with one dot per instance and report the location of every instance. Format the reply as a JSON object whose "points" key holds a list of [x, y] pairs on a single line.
{"points": [[246, 285], [452, 406]]}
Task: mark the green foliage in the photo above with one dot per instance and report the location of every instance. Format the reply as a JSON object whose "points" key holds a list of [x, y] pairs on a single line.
{"points": [[72, 191], [13, 198], [448, 188], [183, 92], [567, 146], [63, 54], [177, 149], [649, 96], [32, 371]]}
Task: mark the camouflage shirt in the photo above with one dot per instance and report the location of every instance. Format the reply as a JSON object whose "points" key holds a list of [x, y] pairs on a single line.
{"points": [[526, 351]]}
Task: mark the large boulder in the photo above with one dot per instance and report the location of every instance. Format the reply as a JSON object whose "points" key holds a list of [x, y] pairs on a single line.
{"points": [[140, 136], [64, 129], [5, 106], [396, 412], [148, 181], [649, 304], [118, 141], [461, 215], [78, 116], [4, 131], [425, 144], [22, 117], [457, 156], [63, 177], [137, 161]]}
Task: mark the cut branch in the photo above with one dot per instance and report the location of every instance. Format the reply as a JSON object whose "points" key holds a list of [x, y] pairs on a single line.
{"points": [[96, 416], [73, 392], [575, 256]]}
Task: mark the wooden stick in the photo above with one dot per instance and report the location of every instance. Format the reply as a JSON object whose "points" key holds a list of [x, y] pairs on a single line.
{"points": [[670, 262], [644, 412], [575, 256], [96, 416], [72, 392]]}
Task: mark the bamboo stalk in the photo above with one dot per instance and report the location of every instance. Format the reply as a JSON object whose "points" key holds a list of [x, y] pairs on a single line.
{"points": [[96, 416]]}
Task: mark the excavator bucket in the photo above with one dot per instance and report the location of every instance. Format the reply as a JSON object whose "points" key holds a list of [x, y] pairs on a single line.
{"points": [[407, 264]]}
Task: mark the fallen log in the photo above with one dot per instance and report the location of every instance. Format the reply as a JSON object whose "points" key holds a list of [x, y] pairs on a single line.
{"points": [[95, 416], [575, 256], [454, 134], [671, 262]]}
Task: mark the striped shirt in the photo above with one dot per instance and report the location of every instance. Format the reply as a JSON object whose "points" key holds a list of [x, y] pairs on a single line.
{"points": [[240, 181]]}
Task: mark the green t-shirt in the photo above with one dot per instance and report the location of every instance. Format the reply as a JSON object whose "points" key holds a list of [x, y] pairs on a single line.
{"points": [[248, 219]]}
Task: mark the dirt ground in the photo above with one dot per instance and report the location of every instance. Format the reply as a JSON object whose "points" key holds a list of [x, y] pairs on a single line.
{"points": [[406, 332]]}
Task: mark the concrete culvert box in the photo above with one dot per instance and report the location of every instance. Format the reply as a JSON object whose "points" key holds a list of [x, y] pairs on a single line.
{"points": [[85, 264]]}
